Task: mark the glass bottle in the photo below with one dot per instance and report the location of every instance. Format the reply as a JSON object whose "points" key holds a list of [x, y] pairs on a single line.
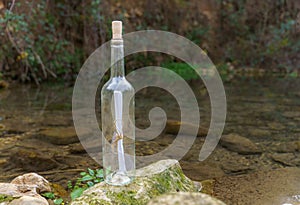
{"points": [[117, 116]]}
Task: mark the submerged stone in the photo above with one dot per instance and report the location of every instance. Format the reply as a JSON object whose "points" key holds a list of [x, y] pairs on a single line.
{"points": [[59, 135], [32, 160], [239, 144], [288, 159], [173, 127], [162, 177], [285, 147], [201, 170]]}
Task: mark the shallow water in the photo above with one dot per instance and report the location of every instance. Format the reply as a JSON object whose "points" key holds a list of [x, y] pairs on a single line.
{"points": [[265, 110]]}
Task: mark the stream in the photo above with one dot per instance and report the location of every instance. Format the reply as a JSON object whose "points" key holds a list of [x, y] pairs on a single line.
{"points": [[37, 135]]}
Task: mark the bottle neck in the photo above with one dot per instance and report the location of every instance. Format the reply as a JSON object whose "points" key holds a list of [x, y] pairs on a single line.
{"points": [[117, 58]]}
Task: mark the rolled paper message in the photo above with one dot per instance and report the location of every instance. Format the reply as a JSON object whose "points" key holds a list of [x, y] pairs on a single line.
{"points": [[119, 129]]}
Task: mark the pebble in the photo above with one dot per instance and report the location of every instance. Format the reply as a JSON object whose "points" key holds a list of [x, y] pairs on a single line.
{"points": [[201, 170]]}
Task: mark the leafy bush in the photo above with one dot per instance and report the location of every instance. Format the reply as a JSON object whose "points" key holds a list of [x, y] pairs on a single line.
{"points": [[32, 47], [260, 34], [50, 39]]}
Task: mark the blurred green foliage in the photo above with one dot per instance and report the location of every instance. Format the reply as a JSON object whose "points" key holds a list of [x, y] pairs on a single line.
{"points": [[259, 35], [182, 69], [198, 34], [42, 40], [35, 45]]}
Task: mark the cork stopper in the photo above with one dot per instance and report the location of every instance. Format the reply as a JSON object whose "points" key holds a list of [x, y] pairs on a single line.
{"points": [[117, 29]]}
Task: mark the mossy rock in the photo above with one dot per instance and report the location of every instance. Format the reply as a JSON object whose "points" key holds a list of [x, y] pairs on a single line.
{"points": [[162, 177]]}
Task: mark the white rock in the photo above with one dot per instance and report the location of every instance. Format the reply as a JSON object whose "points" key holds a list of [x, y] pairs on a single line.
{"points": [[15, 190], [185, 198], [33, 179], [28, 200]]}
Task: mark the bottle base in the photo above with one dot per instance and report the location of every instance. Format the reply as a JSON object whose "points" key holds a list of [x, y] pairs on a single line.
{"points": [[118, 179]]}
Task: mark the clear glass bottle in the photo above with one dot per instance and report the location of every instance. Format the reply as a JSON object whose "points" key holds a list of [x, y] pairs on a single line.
{"points": [[117, 113]]}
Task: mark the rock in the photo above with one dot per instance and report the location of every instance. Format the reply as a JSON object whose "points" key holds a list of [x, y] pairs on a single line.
{"points": [[172, 127], [24, 190], [235, 168], [14, 190], [164, 176], [32, 160], [284, 147], [239, 144], [29, 200], [289, 159], [59, 135], [40, 182], [185, 198], [10, 192]]}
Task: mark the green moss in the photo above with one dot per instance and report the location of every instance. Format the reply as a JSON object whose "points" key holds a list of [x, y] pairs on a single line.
{"points": [[173, 180], [124, 198], [162, 184], [4, 198]]}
